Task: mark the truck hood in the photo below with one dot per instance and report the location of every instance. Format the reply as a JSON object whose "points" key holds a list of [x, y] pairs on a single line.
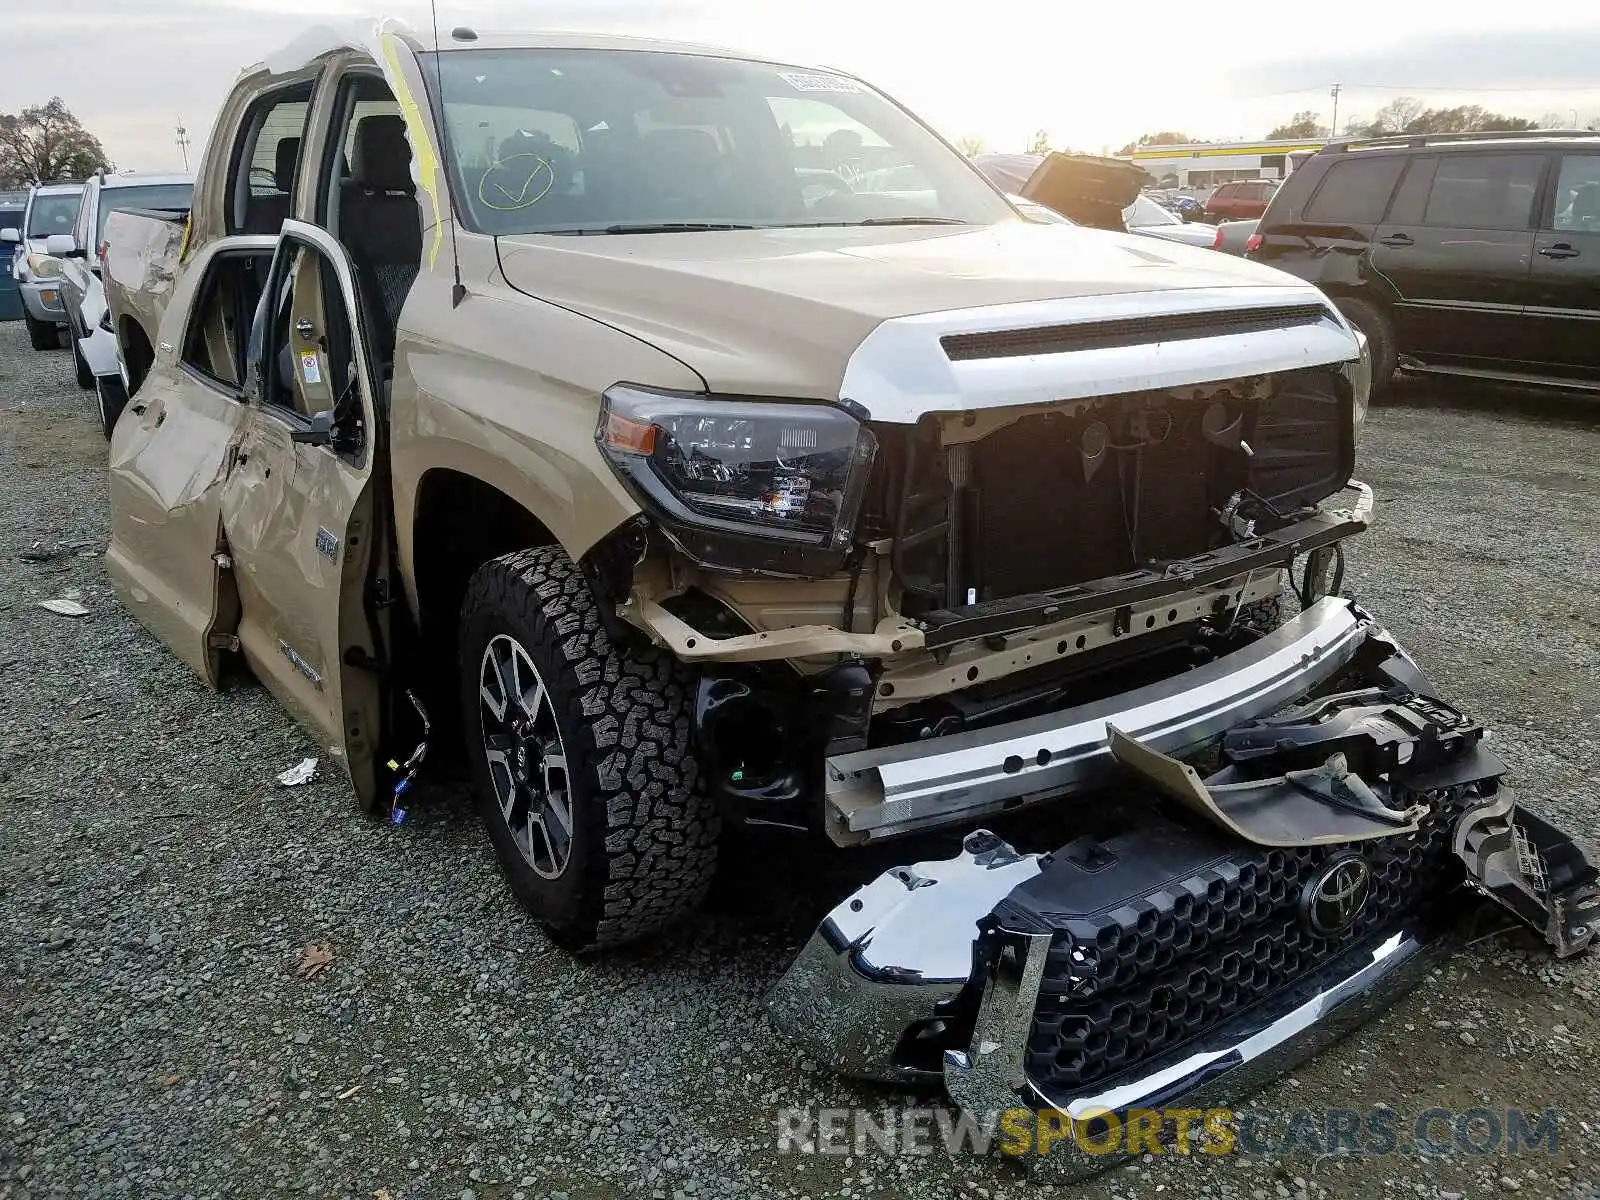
{"points": [[780, 311]]}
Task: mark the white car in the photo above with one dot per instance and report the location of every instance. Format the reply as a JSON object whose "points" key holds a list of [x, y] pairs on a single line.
{"points": [[95, 351], [1148, 219], [45, 234]]}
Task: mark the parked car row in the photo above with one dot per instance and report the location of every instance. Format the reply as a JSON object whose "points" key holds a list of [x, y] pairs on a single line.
{"points": [[58, 261]]}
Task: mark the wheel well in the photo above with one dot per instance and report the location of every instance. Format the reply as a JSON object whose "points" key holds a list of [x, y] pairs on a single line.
{"points": [[461, 523], [137, 354]]}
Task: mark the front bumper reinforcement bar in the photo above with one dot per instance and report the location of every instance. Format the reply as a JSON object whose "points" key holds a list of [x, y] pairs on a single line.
{"points": [[873, 794]]}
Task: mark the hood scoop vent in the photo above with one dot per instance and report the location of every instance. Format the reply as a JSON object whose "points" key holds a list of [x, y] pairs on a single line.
{"points": [[1128, 331]]}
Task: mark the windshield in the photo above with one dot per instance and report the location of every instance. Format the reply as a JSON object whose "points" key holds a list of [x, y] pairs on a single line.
{"points": [[1145, 211], [165, 197], [53, 214], [588, 141]]}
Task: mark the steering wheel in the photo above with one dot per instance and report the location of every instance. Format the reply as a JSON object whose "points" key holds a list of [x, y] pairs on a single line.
{"points": [[516, 182]]}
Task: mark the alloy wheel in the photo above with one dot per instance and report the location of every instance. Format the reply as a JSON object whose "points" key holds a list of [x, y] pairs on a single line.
{"points": [[527, 758]]}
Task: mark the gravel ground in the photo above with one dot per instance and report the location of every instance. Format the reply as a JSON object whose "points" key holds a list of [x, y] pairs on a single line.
{"points": [[159, 889]]}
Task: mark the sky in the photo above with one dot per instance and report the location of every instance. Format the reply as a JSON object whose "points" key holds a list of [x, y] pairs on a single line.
{"points": [[1094, 80]]}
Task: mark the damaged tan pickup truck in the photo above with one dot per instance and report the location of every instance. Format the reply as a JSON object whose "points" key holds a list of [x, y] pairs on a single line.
{"points": [[693, 440]]}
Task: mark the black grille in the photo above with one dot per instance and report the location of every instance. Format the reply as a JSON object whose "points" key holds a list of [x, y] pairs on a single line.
{"points": [[1043, 522], [1128, 331], [1159, 969]]}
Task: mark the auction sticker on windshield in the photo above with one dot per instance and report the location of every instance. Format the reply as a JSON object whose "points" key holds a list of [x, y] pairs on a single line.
{"points": [[813, 81]]}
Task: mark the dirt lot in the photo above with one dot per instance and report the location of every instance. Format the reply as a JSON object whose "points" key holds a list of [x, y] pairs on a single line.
{"points": [[158, 889]]}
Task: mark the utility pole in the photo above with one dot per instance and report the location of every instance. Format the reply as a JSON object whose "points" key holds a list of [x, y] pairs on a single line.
{"points": [[183, 143], [1333, 130]]}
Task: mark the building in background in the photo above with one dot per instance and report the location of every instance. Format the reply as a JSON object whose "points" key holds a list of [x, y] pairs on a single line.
{"points": [[1203, 165]]}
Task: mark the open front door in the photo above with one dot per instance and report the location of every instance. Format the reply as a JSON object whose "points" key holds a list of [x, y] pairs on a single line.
{"points": [[307, 541]]}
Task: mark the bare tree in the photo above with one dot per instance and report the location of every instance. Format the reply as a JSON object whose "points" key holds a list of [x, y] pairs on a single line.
{"points": [[1040, 143], [1303, 124], [1396, 116], [47, 142], [970, 144]]}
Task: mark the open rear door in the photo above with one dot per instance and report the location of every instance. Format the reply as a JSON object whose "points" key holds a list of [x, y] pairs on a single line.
{"points": [[305, 531], [169, 455]]}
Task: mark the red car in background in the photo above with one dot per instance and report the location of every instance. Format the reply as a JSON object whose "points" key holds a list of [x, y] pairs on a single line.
{"points": [[1246, 199]]}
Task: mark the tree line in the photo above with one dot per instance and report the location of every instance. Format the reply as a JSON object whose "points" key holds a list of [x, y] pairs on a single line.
{"points": [[1403, 114]]}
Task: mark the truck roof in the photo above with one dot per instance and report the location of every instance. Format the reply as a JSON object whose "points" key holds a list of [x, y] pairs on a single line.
{"points": [[315, 42], [153, 179], [562, 40]]}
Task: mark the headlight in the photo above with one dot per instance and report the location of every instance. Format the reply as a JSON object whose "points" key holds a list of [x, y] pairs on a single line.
{"points": [[42, 266], [742, 484]]}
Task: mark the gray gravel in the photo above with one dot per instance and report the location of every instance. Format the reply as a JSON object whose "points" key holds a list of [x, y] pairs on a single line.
{"points": [[158, 889]]}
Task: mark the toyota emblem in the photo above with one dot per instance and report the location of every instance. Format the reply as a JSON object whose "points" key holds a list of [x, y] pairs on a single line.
{"points": [[1336, 895]]}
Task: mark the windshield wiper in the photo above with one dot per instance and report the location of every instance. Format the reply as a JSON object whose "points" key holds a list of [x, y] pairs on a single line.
{"points": [[669, 227], [905, 220]]}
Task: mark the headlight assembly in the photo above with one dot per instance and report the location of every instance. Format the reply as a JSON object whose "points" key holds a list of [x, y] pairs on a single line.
{"points": [[742, 484], [43, 266]]}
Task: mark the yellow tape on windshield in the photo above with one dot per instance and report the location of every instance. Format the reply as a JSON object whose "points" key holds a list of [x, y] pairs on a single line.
{"points": [[421, 145]]}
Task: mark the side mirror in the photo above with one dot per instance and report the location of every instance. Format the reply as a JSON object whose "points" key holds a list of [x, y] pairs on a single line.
{"points": [[319, 432], [11, 234], [60, 245]]}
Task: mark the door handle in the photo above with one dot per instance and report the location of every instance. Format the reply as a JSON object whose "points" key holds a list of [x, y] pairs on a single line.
{"points": [[1559, 250], [1397, 240]]}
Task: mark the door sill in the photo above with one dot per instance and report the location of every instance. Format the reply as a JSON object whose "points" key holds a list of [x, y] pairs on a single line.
{"points": [[1411, 366]]}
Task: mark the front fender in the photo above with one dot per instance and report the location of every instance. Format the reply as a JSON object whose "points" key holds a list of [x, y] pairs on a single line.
{"points": [[506, 390]]}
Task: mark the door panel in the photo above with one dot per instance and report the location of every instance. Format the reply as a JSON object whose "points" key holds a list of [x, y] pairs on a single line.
{"points": [[297, 515], [1564, 295], [169, 456], [1457, 250]]}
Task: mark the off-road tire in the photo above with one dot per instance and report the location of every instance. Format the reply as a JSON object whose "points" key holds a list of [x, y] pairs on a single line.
{"points": [[644, 840], [1368, 317], [110, 399], [85, 377], [41, 334]]}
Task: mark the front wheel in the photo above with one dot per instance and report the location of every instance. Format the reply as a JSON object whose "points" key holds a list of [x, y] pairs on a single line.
{"points": [[582, 758], [41, 334], [1369, 318], [84, 374], [111, 398]]}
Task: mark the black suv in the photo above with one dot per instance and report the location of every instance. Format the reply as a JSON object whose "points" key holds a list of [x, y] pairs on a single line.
{"points": [[1461, 254]]}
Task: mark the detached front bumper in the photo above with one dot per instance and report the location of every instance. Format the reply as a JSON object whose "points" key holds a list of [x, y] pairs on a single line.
{"points": [[1221, 1068], [1214, 944]]}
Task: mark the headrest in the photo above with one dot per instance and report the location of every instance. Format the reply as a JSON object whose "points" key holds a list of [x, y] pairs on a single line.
{"points": [[1586, 204], [288, 158], [381, 159], [692, 145]]}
